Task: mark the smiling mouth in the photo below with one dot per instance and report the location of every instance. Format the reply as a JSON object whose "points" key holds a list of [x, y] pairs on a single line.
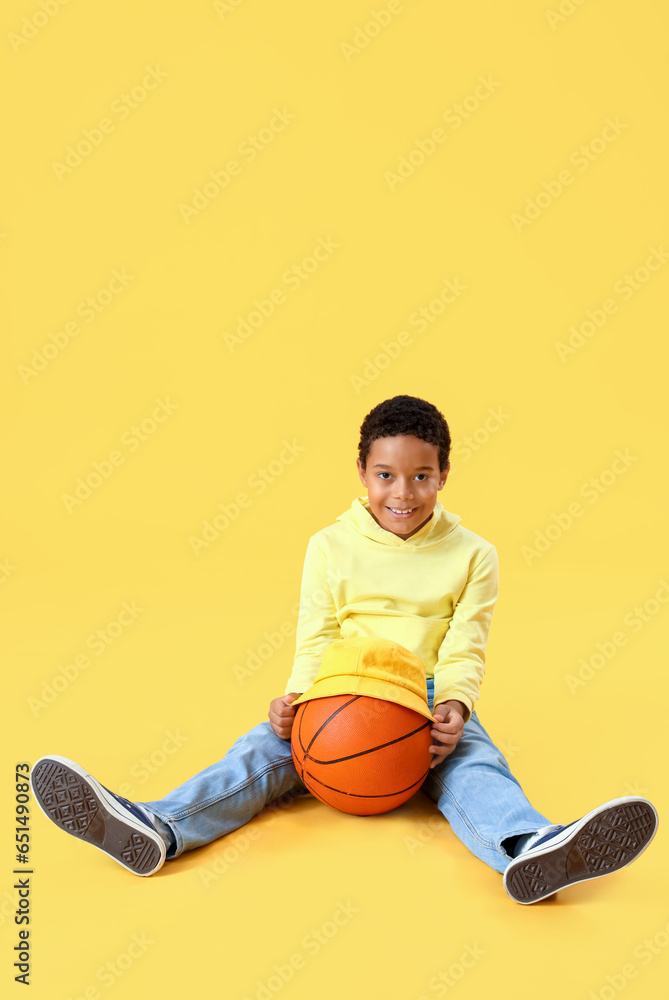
{"points": [[402, 511]]}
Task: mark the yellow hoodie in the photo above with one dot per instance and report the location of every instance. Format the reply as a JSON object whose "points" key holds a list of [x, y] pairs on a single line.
{"points": [[433, 592]]}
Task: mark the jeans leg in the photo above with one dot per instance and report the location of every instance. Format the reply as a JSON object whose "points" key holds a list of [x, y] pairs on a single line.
{"points": [[479, 796], [257, 769]]}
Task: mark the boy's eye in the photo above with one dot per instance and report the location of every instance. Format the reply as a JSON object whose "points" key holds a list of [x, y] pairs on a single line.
{"points": [[418, 474]]}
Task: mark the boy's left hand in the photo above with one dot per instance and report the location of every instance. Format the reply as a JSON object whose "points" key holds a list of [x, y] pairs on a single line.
{"points": [[446, 731]]}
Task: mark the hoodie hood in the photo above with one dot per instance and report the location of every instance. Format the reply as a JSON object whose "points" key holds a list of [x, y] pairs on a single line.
{"points": [[441, 523]]}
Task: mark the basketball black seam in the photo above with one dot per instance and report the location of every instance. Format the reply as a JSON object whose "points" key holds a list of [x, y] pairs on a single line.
{"points": [[359, 795], [362, 753], [306, 755], [299, 730], [355, 697]]}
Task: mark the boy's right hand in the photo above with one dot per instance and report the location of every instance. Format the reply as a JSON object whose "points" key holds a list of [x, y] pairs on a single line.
{"points": [[281, 714]]}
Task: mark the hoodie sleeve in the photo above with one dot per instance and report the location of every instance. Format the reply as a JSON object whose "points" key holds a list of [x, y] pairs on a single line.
{"points": [[460, 665], [317, 624]]}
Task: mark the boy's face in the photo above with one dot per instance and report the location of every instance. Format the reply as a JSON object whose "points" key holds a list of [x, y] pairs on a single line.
{"points": [[402, 473]]}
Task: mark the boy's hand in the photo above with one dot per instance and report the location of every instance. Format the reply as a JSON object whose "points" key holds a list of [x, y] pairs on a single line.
{"points": [[281, 714], [447, 730]]}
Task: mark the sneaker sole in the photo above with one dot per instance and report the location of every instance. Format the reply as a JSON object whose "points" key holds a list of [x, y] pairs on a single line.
{"points": [[602, 842], [77, 803]]}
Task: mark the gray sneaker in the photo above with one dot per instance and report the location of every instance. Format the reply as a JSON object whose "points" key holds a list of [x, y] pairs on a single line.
{"points": [[77, 803], [602, 842]]}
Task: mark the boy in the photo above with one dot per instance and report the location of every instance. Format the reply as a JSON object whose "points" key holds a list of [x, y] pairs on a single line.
{"points": [[399, 566]]}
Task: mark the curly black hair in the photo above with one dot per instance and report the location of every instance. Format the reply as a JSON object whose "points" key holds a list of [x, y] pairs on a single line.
{"points": [[405, 415]]}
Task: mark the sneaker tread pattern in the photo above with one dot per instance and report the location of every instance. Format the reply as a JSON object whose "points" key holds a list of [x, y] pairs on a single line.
{"points": [[73, 806], [605, 844]]}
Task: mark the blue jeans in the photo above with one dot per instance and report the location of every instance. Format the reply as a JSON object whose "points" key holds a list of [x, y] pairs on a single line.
{"points": [[473, 788]]}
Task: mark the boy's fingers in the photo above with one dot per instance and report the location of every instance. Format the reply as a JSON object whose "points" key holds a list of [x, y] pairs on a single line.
{"points": [[446, 727], [284, 707], [440, 755], [445, 737]]}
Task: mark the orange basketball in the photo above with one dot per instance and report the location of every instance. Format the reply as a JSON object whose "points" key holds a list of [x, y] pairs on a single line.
{"points": [[358, 754]]}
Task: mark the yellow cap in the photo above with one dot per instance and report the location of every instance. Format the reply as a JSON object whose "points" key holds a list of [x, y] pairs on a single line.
{"points": [[378, 668]]}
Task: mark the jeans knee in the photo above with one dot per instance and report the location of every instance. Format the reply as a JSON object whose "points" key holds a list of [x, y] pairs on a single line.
{"points": [[263, 741], [262, 731]]}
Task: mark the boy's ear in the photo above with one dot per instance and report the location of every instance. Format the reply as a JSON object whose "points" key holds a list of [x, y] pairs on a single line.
{"points": [[444, 476], [361, 472]]}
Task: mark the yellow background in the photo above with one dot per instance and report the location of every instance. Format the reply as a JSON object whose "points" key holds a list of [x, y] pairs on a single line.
{"points": [[324, 175]]}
